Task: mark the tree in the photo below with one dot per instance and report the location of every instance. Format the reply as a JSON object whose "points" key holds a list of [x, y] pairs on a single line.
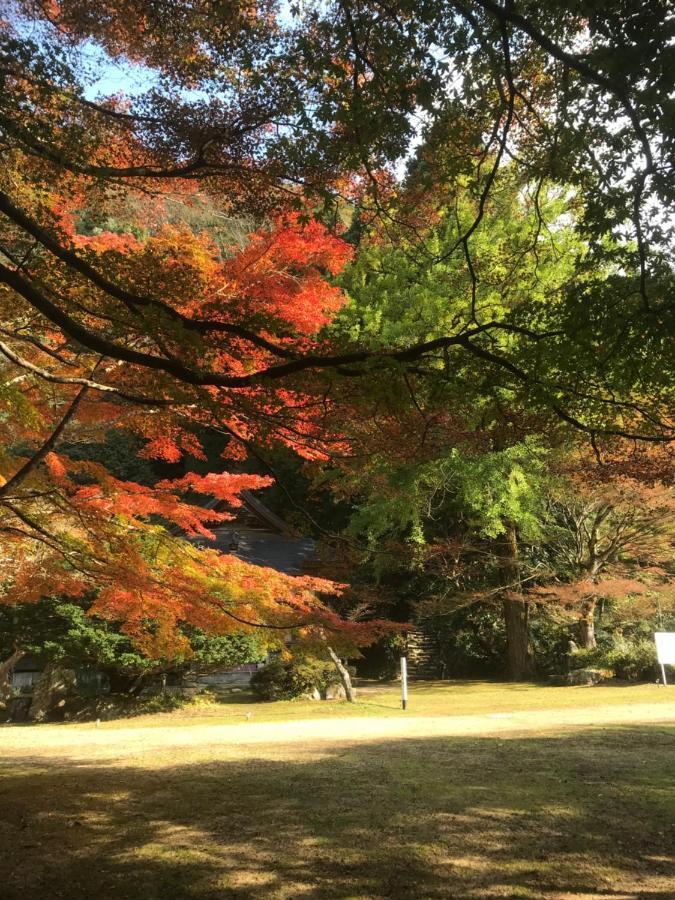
{"points": [[63, 632], [73, 527], [607, 541], [262, 141], [459, 520], [451, 457], [171, 332]]}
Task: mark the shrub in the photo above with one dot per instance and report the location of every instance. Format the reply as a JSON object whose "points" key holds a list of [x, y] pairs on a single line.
{"points": [[118, 706], [629, 661], [471, 640], [287, 679], [549, 640]]}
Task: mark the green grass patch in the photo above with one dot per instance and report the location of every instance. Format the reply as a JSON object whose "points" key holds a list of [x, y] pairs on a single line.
{"points": [[454, 698], [578, 813]]}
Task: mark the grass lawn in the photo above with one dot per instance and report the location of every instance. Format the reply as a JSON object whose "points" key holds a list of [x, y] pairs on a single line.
{"points": [[377, 700], [527, 802], [430, 699]]}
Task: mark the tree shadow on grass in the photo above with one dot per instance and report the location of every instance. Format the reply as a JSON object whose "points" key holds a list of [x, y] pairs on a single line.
{"points": [[587, 814]]}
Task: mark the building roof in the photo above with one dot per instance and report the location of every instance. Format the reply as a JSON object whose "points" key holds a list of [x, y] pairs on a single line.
{"points": [[263, 547], [263, 538]]}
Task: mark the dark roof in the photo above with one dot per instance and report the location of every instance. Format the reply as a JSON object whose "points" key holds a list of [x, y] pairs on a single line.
{"points": [[28, 663], [265, 515], [261, 537], [265, 548]]}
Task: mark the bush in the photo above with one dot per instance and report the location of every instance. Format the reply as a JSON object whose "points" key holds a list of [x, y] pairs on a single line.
{"points": [[288, 679], [629, 661], [472, 641], [550, 641], [117, 706]]}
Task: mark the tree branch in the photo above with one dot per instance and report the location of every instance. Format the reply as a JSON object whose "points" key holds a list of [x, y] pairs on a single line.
{"points": [[130, 299], [74, 379], [46, 448]]}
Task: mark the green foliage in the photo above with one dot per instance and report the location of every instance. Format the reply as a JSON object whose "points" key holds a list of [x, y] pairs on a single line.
{"points": [[227, 650], [472, 641], [405, 289], [417, 285], [413, 286], [287, 679], [118, 453], [630, 661], [15, 406], [503, 487], [479, 493], [60, 630], [549, 642]]}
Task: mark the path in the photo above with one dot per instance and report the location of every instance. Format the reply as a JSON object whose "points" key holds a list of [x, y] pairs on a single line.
{"points": [[110, 741]]}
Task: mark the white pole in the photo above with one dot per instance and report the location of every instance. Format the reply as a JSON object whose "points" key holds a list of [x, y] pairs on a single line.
{"points": [[404, 683], [663, 672]]}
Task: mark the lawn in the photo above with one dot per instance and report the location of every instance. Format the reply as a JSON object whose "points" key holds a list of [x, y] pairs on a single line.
{"points": [[508, 791], [375, 699]]}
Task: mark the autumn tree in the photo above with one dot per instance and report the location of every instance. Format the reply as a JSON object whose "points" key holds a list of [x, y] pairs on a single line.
{"points": [[609, 539], [222, 111], [170, 331]]}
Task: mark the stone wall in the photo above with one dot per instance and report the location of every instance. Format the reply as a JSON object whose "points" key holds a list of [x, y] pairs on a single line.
{"points": [[217, 682]]}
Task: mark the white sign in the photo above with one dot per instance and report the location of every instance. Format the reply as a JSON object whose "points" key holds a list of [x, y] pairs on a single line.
{"points": [[665, 647]]}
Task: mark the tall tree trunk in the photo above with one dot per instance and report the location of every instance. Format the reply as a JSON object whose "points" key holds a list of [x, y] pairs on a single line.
{"points": [[343, 672], [518, 654], [586, 625], [519, 665], [6, 669]]}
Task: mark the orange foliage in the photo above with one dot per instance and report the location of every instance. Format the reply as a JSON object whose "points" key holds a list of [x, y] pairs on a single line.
{"points": [[69, 524]]}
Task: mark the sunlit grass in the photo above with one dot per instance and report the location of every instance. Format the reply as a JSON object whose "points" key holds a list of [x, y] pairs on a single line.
{"points": [[425, 699], [545, 812]]}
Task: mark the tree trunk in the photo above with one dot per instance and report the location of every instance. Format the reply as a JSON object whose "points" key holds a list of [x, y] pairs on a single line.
{"points": [[343, 672], [6, 669], [53, 685], [586, 625], [516, 611], [518, 654]]}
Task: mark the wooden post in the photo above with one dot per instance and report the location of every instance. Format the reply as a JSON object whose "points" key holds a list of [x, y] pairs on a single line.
{"points": [[404, 682], [663, 672]]}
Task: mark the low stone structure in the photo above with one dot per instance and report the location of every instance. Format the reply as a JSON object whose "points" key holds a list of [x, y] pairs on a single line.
{"points": [[52, 688], [227, 681], [587, 677]]}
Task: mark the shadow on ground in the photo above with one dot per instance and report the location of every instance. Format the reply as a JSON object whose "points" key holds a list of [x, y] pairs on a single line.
{"points": [[575, 816]]}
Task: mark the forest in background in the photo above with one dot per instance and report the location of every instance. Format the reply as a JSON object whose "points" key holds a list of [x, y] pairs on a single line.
{"points": [[406, 272]]}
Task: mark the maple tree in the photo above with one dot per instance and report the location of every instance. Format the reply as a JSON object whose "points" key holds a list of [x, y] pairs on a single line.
{"points": [[168, 330], [607, 540], [70, 525]]}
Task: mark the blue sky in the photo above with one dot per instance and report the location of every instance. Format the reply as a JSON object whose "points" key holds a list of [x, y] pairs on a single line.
{"points": [[117, 76], [110, 76]]}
